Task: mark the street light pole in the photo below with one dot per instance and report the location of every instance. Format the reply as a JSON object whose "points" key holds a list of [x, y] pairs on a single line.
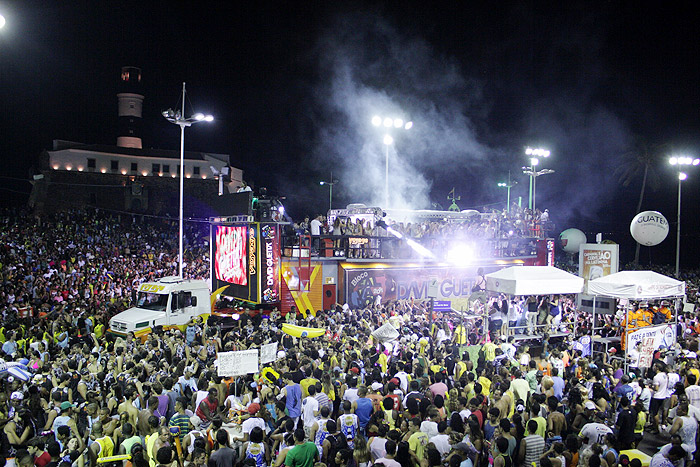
{"points": [[535, 154], [177, 118], [681, 177], [679, 161], [508, 186], [330, 191]]}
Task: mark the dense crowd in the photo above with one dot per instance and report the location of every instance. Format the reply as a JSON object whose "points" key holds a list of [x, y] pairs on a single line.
{"points": [[445, 392]]}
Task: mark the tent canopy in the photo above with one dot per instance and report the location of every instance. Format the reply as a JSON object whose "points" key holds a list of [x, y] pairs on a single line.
{"points": [[636, 285], [533, 280]]}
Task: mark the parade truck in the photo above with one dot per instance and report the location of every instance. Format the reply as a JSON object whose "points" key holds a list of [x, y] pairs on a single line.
{"points": [[170, 302]]}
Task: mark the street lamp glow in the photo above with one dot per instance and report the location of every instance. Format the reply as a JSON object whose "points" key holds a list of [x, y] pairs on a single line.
{"points": [[682, 176], [388, 140], [408, 126], [388, 122], [2, 21], [673, 161], [376, 120], [534, 161], [398, 123], [502, 184]]}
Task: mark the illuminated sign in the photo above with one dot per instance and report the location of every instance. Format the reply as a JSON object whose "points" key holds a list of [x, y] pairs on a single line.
{"points": [[270, 263], [230, 257]]}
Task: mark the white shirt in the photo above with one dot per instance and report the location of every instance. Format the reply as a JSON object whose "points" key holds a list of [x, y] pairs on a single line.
{"points": [[308, 406], [315, 226], [403, 379], [595, 433], [693, 393], [442, 444], [250, 423], [661, 384], [429, 428], [350, 395]]}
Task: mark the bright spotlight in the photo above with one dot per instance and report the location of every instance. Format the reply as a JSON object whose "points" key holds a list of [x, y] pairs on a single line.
{"points": [[376, 120], [534, 161], [199, 117], [420, 249], [388, 140], [408, 125], [280, 209], [682, 176], [673, 161], [460, 255], [528, 151], [388, 122], [398, 123], [696, 161]]}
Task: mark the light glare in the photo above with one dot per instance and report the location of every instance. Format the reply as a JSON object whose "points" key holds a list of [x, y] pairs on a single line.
{"points": [[682, 176], [398, 123], [388, 140], [408, 125], [376, 120], [388, 122]]}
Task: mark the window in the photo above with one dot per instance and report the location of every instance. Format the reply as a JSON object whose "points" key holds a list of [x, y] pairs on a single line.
{"points": [[166, 168], [134, 167], [156, 168], [114, 165], [91, 163], [195, 170]]}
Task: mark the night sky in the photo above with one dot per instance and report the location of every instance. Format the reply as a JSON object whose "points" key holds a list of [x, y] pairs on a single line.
{"points": [[294, 85]]}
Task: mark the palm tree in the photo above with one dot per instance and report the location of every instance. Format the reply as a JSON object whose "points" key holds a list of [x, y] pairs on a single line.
{"points": [[640, 161]]}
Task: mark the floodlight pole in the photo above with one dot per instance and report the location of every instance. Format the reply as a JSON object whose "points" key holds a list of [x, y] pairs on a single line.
{"points": [[178, 118], [678, 228]]}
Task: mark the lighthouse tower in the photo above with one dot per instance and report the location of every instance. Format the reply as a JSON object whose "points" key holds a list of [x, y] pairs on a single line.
{"points": [[130, 105]]}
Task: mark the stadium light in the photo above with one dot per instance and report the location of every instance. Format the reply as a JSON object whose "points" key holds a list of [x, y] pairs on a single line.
{"points": [[178, 118], [535, 154], [509, 185], [389, 123]]}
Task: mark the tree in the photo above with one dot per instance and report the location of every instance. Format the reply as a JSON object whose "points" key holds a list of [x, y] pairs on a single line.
{"points": [[640, 161]]}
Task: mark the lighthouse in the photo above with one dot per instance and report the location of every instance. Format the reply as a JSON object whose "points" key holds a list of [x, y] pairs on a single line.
{"points": [[130, 100]]}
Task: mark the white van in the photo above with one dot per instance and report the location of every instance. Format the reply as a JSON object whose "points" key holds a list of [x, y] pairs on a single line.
{"points": [[169, 302]]}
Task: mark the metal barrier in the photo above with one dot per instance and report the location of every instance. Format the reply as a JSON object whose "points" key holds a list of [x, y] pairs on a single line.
{"points": [[391, 247]]}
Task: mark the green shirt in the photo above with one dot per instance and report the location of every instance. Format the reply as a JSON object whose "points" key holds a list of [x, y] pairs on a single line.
{"points": [[302, 455], [183, 422]]}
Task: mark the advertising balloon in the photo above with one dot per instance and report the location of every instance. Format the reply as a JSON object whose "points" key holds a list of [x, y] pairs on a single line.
{"points": [[570, 240], [649, 228]]}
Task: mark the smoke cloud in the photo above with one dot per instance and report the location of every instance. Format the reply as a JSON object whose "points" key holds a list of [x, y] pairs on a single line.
{"points": [[369, 68], [468, 132]]}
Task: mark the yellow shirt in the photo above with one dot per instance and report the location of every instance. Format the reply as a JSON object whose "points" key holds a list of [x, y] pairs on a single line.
{"points": [[485, 385]]}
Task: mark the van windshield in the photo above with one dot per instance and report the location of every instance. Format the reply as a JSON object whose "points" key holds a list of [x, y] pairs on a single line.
{"points": [[152, 301]]}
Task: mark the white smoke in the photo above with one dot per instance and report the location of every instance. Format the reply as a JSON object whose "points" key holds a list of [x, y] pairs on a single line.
{"points": [[370, 68]]}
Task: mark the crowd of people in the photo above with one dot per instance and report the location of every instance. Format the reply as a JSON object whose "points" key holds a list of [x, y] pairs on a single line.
{"points": [[444, 393]]}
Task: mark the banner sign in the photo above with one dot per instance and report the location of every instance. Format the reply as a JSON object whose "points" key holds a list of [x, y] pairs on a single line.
{"points": [[584, 345], [646, 353], [364, 286], [268, 353], [237, 363], [597, 260], [270, 253], [385, 333], [664, 334]]}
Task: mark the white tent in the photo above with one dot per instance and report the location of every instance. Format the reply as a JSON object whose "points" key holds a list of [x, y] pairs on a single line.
{"points": [[636, 285], [533, 280]]}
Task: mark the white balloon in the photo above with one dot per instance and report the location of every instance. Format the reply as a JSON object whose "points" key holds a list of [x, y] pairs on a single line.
{"points": [[649, 228], [570, 240]]}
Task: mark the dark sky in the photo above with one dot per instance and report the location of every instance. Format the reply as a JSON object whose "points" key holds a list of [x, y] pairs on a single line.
{"points": [[293, 85]]}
